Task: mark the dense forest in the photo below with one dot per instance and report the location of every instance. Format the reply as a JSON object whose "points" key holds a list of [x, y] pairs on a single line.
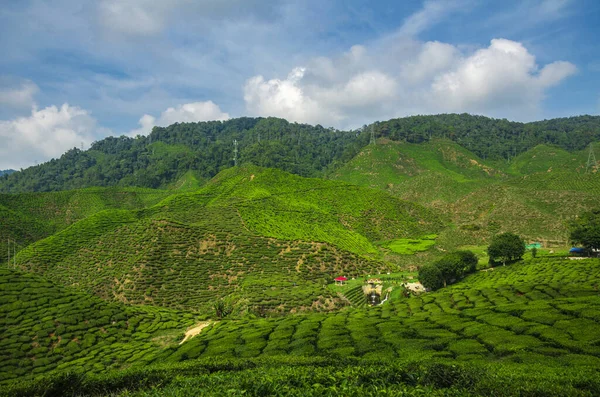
{"points": [[6, 172], [205, 148]]}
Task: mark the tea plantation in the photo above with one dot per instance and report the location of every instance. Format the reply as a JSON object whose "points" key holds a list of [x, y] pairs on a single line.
{"points": [[46, 327], [266, 238], [526, 329], [108, 281]]}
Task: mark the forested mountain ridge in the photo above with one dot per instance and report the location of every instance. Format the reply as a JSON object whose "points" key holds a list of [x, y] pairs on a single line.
{"points": [[6, 172], [205, 148]]}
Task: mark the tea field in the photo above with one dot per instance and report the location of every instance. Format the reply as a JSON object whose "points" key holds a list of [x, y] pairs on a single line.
{"points": [[527, 329], [47, 328]]}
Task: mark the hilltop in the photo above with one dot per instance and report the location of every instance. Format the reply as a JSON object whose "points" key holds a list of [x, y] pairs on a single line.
{"points": [[206, 148]]}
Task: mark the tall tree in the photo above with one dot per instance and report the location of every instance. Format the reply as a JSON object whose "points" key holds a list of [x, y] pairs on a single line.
{"points": [[585, 230], [506, 247]]}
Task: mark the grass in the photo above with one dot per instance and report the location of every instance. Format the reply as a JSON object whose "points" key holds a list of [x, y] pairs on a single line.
{"points": [[406, 246]]}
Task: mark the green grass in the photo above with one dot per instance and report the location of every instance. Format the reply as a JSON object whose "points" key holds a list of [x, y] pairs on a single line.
{"points": [[406, 246]]}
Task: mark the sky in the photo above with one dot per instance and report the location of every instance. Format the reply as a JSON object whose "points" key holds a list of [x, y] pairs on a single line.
{"points": [[76, 71]]}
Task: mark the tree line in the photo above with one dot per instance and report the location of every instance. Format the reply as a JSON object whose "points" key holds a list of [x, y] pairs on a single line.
{"points": [[206, 148]]}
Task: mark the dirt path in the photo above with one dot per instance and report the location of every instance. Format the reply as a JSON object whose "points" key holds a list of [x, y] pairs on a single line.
{"points": [[190, 333]]}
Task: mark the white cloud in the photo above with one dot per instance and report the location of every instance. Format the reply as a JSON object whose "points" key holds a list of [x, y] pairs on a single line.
{"points": [[189, 112], [45, 134], [21, 97], [502, 77], [408, 77], [433, 12]]}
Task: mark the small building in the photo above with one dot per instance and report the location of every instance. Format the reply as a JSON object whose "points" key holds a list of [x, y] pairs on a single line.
{"points": [[340, 280]]}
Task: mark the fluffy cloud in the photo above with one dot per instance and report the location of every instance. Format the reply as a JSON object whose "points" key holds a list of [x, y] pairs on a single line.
{"points": [[409, 77], [189, 112], [502, 76], [21, 97], [45, 134]]}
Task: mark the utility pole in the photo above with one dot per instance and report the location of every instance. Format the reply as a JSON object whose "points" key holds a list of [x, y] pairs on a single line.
{"points": [[591, 163], [372, 142], [235, 152]]}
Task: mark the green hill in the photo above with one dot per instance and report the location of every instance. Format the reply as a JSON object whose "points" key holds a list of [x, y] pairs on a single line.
{"points": [[29, 217], [266, 239], [206, 148], [47, 328], [436, 171], [533, 195]]}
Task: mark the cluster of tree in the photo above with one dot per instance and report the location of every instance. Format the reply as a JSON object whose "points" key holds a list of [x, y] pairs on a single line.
{"points": [[494, 138], [585, 231], [6, 172], [207, 147], [450, 268], [506, 248]]}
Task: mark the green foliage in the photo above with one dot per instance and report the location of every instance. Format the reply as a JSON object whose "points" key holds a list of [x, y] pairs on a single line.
{"points": [[506, 247], [48, 328], [450, 268], [431, 277], [205, 148], [585, 230]]}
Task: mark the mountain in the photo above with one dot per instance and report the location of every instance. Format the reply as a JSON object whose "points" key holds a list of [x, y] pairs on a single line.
{"points": [[6, 172], [206, 148]]}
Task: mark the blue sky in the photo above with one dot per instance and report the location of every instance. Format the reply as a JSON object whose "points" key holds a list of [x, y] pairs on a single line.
{"points": [[73, 72]]}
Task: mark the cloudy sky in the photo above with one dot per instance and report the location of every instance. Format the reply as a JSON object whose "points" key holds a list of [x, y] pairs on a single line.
{"points": [[75, 71]]}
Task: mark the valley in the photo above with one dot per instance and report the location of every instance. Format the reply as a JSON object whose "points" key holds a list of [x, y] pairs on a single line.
{"points": [[182, 274]]}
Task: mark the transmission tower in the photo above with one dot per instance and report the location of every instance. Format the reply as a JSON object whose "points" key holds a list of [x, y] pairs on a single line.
{"points": [[372, 142], [591, 163], [235, 152]]}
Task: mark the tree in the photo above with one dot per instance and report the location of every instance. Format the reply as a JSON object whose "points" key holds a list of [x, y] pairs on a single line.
{"points": [[506, 247], [431, 277], [451, 267], [585, 230]]}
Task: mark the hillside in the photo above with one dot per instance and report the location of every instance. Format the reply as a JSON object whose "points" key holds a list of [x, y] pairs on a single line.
{"points": [[263, 238], [46, 327], [533, 195], [6, 172], [436, 171], [29, 217], [206, 148]]}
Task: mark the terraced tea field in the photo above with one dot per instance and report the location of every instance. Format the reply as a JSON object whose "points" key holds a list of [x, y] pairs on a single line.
{"points": [[29, 217], [262, 237], [539, 311], [48, 328]]}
